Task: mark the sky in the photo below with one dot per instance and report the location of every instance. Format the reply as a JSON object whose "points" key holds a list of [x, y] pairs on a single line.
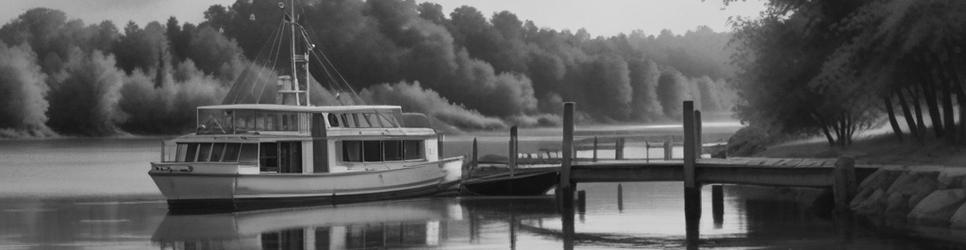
{"points": [[599, 17]]}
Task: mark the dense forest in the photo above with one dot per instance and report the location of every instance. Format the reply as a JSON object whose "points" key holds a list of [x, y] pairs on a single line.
{"points": [[466, 69], [832, 68]]}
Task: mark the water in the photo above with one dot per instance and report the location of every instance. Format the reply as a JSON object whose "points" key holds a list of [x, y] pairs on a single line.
{"points": [[95, 194]]}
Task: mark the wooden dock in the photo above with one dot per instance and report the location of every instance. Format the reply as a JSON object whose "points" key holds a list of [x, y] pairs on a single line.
{"points": [[749, 171], [838, 174]]}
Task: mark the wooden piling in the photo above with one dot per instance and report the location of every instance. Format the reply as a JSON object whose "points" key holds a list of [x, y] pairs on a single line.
{"points": [[689, 145], [513, 154], [619, 149], [697, 133], [595, 148], [620, 197], [439, 145], [668, 150], [581, 201], [844, 185], [565, 185], [717, 205], [476, 155]]}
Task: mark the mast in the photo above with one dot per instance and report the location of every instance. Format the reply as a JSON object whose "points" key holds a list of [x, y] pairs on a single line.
{"points": [[295, 77]]}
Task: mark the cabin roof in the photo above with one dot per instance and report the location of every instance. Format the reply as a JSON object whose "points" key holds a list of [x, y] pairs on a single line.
{"points": [[279, 107]]}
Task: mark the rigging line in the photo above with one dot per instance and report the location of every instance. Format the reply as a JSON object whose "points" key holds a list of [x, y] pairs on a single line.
{"points": [[237, 93], [258, 73], [331, 80], [247, 72], [346, 83], [326, 66], [275, 44]]}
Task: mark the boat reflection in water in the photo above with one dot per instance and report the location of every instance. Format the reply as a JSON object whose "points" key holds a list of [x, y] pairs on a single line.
{"points": [[389, 224], [420, 223]]}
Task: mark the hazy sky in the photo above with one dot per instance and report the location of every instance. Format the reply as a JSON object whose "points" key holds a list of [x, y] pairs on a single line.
{"points": [[599, 17]]}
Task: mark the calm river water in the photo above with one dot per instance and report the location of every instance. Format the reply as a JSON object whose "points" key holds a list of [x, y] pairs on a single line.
{"points": [[95, 194]]}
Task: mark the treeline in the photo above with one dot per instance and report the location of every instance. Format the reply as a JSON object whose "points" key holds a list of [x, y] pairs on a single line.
{"points": [[836, 67], [467, 71]]}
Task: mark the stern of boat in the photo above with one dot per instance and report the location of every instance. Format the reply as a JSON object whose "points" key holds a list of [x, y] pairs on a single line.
{"points": [[453, 167]]}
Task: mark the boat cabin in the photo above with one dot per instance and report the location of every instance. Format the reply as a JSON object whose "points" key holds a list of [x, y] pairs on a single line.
{"points": [[285, 139]]}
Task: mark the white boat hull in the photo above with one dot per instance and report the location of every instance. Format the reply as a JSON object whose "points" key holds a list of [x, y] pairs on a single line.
{"points": [[188, 185]]}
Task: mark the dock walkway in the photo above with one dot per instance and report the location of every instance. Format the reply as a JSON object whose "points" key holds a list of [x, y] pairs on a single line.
{"points": [[797, 172]]}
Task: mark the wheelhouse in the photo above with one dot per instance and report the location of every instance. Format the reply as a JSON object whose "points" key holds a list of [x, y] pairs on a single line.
{"points": [[284, 139]]}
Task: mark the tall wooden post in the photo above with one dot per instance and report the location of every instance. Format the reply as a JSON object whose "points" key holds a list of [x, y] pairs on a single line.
{"points": [[619, 149], [668, 150], [565, 186], [690, 155], [439, 145], [595, 148], [844, 185], [692, 190], [513, 154], [476, 156], [697, 133]]}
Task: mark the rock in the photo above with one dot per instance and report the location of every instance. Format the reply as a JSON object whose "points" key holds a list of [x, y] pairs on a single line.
{"points": [[952, 178], [938, 206], [872, 204], [919, 189], [879, 179], [904, 179], [958, 220], [897, 204]]}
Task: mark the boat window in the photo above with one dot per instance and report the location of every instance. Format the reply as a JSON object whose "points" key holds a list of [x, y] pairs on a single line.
{"points": [[204, 150], [244, 120], [263, 121], [413, 149], [214, 121], [290, 157], [388, 150], [217, 150], [180, 152], [373, 120], [231, 152], [387, 120], [268, 157], [392, 150], [361, 122], [352, 151], [345, 121], [333, 121], [371, 151], [248, 153], [192, 150]]}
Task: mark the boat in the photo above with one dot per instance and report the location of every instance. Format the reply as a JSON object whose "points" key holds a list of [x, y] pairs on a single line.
{"points": [[523, 182], [289, 152]]}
